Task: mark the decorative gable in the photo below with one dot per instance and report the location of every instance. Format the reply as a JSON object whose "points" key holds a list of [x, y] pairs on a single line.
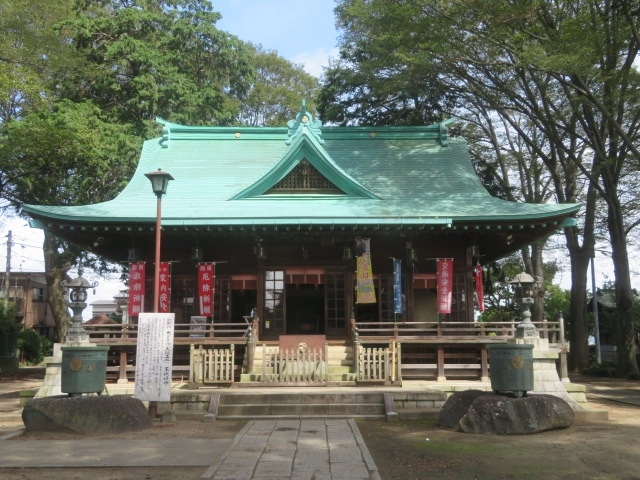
{"points": [[306, 168], [305, 178]]}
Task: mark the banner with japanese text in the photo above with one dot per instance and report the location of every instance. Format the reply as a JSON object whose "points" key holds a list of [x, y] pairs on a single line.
{"points": [[445, 284], [164, 286], [479, 287], [137, 279], [397, 286], [365, 289], [206, 279]]}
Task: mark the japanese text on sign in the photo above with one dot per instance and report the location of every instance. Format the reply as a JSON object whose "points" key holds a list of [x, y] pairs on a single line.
{"points": [[154, 357]]}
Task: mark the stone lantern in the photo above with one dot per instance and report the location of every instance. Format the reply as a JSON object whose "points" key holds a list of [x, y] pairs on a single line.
{"points": [[524, 286], [77, 302], [84, 364]]}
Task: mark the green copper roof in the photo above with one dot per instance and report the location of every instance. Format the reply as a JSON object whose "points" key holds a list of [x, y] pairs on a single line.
{"points": [[384, 176]]}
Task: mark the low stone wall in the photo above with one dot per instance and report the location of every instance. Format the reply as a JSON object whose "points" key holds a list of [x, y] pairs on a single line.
{"points": [[418, 400], [186, 403]]}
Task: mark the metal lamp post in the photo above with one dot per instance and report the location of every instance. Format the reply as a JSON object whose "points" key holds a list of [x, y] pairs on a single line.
{"points": [[159, 182], [524, 285]]}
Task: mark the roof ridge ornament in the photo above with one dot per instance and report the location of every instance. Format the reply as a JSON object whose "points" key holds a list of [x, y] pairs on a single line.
{"points": [[166, 132], [304, 122]]}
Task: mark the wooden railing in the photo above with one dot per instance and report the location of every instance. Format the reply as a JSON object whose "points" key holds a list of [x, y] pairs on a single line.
{"points": [[439, 331], [211, 365], [378, 364], [184, 333]]}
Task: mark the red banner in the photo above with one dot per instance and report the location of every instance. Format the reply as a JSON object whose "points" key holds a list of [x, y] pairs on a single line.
{"points": [[164, 287], [136, 288], [445, 284], [206, 279], [479, 287]]}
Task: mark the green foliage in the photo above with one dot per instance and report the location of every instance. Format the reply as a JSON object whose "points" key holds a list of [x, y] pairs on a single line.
{"points": [[154, 58], [8, 322], [275, 94], [34, 347], [604, 369]]}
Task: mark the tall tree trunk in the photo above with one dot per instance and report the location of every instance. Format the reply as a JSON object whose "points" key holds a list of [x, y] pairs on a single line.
{"points": [[625, 328], [577, 320], [56, 267], [537, 271]]}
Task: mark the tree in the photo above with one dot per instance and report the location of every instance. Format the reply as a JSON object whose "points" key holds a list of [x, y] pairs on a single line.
{"points": [[273, 98], [566, 66], [144, 59], [61, 157], [29, 49]]}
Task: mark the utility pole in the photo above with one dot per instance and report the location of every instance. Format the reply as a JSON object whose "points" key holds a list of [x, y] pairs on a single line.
{"points": [[8, 272]]}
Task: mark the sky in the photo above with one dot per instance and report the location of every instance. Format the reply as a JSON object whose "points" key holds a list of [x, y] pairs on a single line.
{"points": [[303, 32]]}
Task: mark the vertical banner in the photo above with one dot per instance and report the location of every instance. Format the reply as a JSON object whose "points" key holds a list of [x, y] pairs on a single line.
{"points": [[365, 290], [137, 278], [397, 286], [445, 284], [206, 279], [479, 288], [164, 299], [154, 357]]}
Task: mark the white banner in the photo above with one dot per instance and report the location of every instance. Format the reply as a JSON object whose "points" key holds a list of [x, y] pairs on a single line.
{"points": [[154, 357]]}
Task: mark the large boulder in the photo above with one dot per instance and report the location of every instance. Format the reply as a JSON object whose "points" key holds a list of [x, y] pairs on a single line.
{"points": [[90, 415], [499, 414], [456, 407]]}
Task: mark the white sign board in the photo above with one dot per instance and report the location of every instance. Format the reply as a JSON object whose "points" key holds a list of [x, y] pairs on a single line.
{"points": [[154, 357]]}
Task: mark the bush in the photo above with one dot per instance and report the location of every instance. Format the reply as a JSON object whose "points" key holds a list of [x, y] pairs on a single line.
{"points": [[34, 347], [9, 329], [604, 369]]}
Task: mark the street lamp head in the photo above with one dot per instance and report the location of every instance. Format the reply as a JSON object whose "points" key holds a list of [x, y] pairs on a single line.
{"points": [[159, 181]]}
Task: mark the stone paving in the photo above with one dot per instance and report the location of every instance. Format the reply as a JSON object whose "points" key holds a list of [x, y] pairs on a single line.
{"points": [[323, 449]]}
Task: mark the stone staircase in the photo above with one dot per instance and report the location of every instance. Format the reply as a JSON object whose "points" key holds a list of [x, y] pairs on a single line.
{"points": [[305, 404], [298, 405]]}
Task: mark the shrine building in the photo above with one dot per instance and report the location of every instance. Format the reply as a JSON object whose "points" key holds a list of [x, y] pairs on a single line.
{"points": [[312, 231]]}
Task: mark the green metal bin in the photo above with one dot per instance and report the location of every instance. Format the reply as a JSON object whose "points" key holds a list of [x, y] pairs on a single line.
{"points": [[84, 369], [511, 368]]}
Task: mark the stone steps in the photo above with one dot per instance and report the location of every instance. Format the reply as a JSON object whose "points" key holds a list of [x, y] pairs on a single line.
{"points": [[298, 405]]}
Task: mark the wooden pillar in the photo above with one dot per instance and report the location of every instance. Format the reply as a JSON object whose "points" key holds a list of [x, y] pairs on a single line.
{"points": [[122, 373], [484, 364], [441, 377], [251, 349]]}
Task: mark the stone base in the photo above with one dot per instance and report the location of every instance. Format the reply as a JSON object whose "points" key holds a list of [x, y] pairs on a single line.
{"points": [[51, 385], [545, 373]]}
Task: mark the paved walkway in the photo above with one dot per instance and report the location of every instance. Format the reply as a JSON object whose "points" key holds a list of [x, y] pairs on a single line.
{"points": [[296, 449]]}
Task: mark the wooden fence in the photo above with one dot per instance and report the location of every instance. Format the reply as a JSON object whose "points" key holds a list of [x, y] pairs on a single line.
{"points": [[294, 366], [378, 365], [214, 365]]}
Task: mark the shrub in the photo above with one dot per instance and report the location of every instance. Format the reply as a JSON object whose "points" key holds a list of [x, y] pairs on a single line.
{"points": [[604, 369], [9, 329], [34, 347]]}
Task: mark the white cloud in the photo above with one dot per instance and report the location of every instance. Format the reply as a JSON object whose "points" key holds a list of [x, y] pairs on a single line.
{"points": [[315, 60]]}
